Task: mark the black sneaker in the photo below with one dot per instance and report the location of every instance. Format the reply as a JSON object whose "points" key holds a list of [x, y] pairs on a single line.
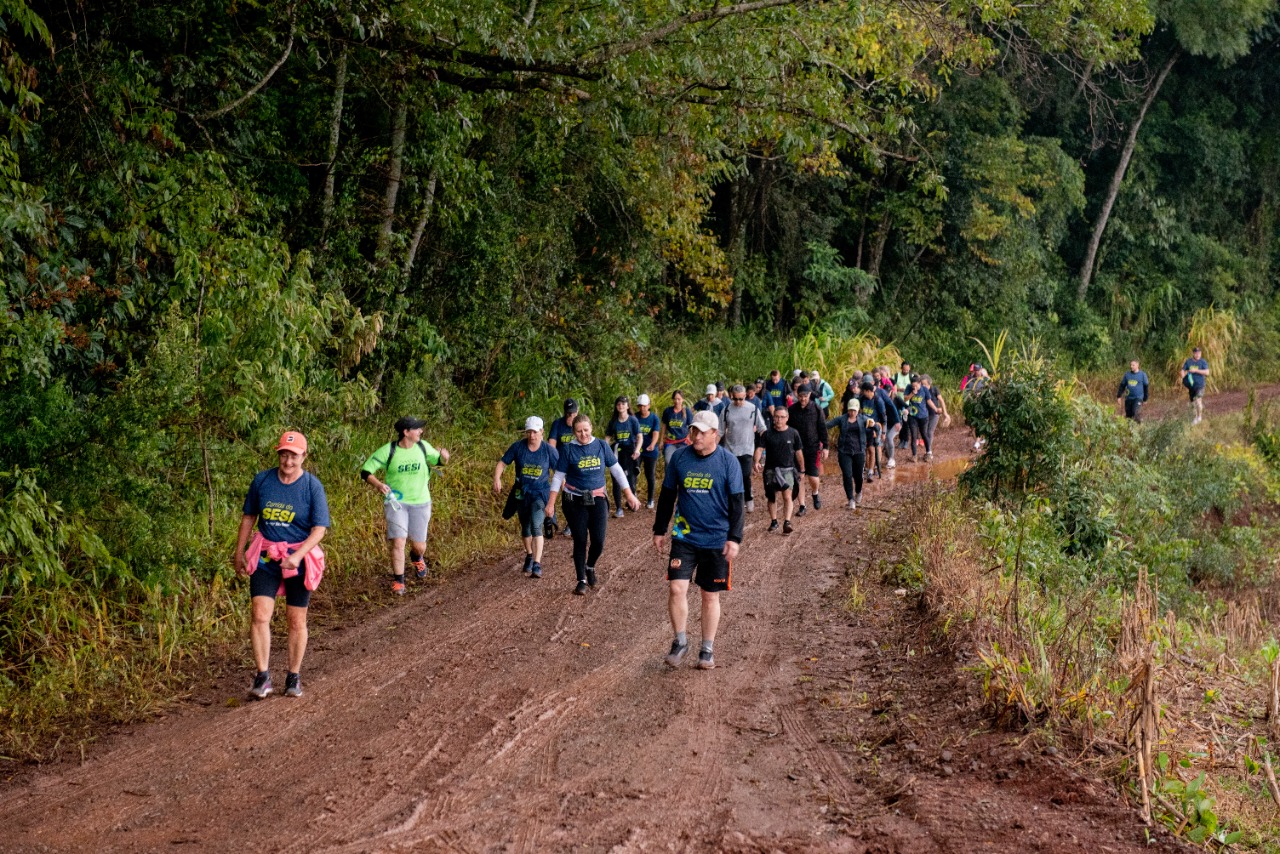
{"points": [[293, 685], [261, 686], [581, 589], [591, 577], [773, 526], [535, 570], [817, 502], [786, 527], [677, 652], [706, 661], [528, 562], [803, 509]]}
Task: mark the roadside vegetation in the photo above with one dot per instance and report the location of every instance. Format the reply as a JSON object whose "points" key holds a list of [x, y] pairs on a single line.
{"points": [[1113, 589]]}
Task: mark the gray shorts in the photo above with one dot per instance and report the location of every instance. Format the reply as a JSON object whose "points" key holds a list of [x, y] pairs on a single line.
{"points": [[409, 522]]}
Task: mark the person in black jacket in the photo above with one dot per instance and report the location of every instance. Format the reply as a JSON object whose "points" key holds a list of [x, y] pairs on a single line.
{"points": [[851, 448], [806, 419]]}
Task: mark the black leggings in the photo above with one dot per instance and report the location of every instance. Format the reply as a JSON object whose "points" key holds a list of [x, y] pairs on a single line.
{"points": [[748, 463], [586, 521], [917, 431], [851, 466], [650, 475], [629, 465]]}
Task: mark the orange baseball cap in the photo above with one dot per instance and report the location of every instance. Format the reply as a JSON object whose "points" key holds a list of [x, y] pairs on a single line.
{"points": [[293, 441]]}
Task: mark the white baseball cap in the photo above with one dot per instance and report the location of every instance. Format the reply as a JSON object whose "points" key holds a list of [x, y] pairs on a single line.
{"points": [[853, 403], [642, 400], [533, 422], [711, 388], [704, 421], [795, 373]]}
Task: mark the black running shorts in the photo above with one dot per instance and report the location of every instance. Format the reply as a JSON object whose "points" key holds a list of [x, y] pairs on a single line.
{"points": [[812, 456], [268, 578], [707, 568]]}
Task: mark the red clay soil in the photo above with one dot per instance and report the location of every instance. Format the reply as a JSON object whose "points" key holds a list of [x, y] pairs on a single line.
{"points": [[491, 712]]}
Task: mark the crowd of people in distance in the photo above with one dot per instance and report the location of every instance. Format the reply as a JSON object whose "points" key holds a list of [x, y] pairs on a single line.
{"points": [[774, 431]]}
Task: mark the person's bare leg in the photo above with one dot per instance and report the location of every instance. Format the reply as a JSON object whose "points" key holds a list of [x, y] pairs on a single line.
{"points": [[787, 505], [260, 631], [297, 637], [710, 614], [395, 547], [678, 605], [538, 543], [528, 546]]}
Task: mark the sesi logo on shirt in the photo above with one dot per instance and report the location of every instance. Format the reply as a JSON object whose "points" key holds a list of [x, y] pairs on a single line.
{"points": [[278, 513], [697, 480], [530, 470], [590, 463]]}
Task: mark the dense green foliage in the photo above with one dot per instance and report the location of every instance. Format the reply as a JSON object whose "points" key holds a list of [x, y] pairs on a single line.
{"points": [[220, 220]]}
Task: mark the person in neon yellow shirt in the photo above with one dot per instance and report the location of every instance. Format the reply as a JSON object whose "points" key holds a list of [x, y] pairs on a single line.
{"points": [[407, 494]]}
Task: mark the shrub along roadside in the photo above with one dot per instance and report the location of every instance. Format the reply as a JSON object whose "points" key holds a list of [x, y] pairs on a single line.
{"points": [[1080, 553], [115, 578]]}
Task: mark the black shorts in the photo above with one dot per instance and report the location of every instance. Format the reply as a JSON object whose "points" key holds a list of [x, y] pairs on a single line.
{"points": [[1195, 394], [268, 577], [707, 568], [873, 437], [811, 457]]}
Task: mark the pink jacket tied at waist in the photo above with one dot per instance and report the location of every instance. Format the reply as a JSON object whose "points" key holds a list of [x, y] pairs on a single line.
{"points": [[312, 561]]}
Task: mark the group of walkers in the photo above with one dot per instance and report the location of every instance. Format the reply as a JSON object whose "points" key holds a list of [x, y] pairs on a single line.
{"points": [[777, 429]]}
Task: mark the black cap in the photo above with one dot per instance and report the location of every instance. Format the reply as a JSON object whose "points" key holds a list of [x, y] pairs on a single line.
{"points": [[867, 386], [570, 405], [805, 388], [719, 385], [409, 423], [915, 378], [622, 398]]}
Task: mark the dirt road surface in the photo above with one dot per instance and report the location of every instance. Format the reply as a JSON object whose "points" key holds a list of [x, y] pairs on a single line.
{"points": [[491, 712]]}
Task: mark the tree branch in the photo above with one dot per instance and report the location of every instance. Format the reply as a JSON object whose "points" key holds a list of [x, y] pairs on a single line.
{"points": [[288, 49]]}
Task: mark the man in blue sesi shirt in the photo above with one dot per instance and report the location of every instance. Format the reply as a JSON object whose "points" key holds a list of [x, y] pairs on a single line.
{"points": [[1133, 391], [1193, 373], [703, 487]]}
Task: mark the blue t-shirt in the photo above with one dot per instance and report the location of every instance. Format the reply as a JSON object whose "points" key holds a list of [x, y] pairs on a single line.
{"points": [[891, 414], [677, 423], [872, 408], [584, 465], [624, 433], [562, 430], [776, 393], [703, 486], [287, 512], [1133, 385], [917, 404], [649, 425], [533, 468], [1197, 380]]}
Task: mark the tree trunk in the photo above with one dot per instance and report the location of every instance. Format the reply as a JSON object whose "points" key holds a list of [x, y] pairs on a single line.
{"points": [[877, 247], [430, 202], [395, 168], [335, 130], [1130, 143]]}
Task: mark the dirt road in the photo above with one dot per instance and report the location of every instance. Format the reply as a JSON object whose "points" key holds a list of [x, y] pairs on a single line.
{"points": [[493, 712]]}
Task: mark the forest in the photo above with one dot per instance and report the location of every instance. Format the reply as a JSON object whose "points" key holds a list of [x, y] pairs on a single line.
{"points": [[222, 220]]}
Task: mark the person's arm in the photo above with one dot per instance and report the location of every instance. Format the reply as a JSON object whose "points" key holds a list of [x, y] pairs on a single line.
{"points": [[242, 542], [1120, 390], [371, 465], [759, 459], [294, 560], [737, 517], [654, 436], [497, 476]]}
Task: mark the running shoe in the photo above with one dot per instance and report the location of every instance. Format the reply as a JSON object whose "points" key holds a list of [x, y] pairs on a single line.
{"points": [[751, 506], [397, 587], [706, 661], [852, 504], [293, 685], [817, 502], [857, 498], [617, 514], [528, 562], [420, 567], [535, 571], [261, 686], [802, 510], [581, 589], [893, 464], [773, 526], [928, 456], [677, 652], [786, 527], [650, 504], [591, 577]]}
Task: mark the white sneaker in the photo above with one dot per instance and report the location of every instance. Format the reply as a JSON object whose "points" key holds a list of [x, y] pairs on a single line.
{"points": [[649, 505], [618, 513], [751, 506], [857, 498], [853, 505], [893, 464]]}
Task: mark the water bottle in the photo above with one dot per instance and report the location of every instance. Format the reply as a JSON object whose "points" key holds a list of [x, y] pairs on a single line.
{"points": [[393, 499]]}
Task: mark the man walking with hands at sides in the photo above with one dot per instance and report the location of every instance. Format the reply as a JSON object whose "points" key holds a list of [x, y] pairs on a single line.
{"points": [[807, 420], [703, 486], [534, 461], [650, 434], [1133, 391], [407, 496], [289, 506], [1193, 373], [780, 459], [739, 424]]}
